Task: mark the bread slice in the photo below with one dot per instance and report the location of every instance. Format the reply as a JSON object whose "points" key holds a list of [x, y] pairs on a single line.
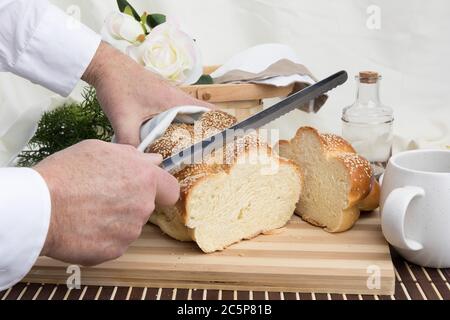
{"points": [[338, 183], [254, 192]]}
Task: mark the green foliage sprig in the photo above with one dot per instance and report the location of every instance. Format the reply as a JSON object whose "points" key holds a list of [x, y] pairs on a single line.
{"points": [[65, 126]]}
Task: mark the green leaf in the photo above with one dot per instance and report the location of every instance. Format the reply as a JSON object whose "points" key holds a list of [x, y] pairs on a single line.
{"points": [[128, 11], [155, 19], [205, 79], [127, 8]]}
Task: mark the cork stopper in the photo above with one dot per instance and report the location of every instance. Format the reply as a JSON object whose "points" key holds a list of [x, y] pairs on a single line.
{"points": [[368, 77]]}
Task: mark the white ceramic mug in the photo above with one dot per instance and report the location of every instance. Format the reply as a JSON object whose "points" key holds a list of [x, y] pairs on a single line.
{"points": [[415, 206]]}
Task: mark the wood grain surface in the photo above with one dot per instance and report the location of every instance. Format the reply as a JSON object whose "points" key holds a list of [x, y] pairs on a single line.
{"points": [[297, 258]]}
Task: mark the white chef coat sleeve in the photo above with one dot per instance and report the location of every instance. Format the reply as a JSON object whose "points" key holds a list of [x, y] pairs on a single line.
{"points": [[41, 43], [25, 209]]}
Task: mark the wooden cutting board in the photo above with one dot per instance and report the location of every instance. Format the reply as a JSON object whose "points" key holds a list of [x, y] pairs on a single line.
{"points": [[297, 258]]}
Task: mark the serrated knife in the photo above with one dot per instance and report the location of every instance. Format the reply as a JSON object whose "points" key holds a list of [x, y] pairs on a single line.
{"points": [[196, 152]]}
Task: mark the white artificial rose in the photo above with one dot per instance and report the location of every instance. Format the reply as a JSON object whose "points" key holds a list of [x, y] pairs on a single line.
{"points": [[120, 26], [171, 53]]}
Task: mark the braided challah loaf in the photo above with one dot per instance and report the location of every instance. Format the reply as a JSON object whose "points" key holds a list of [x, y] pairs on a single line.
{"points": [[253, 192]]}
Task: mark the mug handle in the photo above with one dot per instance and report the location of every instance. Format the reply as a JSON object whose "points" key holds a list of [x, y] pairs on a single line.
{"points": [[393, 217]]}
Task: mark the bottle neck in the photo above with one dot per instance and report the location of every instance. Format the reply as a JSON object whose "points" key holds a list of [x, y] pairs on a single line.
{"points": [[368, 93]]}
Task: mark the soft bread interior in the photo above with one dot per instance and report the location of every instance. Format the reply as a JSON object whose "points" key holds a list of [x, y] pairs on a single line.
{"points": [[324, 200], [224, 208]]}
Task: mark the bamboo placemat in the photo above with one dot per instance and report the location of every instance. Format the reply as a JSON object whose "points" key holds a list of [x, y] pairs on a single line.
{"points": [[412, 283]]}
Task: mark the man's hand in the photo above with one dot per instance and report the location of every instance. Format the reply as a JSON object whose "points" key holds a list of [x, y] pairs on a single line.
{"points": [[129, 94], [102, 194]]}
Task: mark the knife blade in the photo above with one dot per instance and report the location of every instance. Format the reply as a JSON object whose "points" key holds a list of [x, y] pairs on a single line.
{"points": [[195, 153]]}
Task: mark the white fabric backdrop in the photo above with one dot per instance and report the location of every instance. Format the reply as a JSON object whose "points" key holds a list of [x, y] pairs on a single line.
{"points": [[411, 49]]}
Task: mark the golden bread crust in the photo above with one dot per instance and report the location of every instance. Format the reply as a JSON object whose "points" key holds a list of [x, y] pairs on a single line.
{"points": [[363, 192]]}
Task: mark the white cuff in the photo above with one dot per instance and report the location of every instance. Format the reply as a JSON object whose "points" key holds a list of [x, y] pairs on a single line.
{"points": [[58, 53], [25, 210]]}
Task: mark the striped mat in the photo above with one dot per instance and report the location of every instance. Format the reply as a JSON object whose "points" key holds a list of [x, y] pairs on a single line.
{"points": [[412, 283]]}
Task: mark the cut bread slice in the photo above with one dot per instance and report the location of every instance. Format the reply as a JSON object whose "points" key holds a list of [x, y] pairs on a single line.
{"points": [[338, 183], [254, 192]]}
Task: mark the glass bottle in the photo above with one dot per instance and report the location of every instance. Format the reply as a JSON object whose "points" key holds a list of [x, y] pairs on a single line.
{"points": [[368, 124]]}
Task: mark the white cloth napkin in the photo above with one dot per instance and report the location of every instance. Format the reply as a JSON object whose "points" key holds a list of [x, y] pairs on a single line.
{"points": [[259, 58], [156, 127], [270, 64]]}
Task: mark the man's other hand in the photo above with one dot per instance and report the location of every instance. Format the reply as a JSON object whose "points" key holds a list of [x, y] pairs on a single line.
{"points": [[102, 194]]}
